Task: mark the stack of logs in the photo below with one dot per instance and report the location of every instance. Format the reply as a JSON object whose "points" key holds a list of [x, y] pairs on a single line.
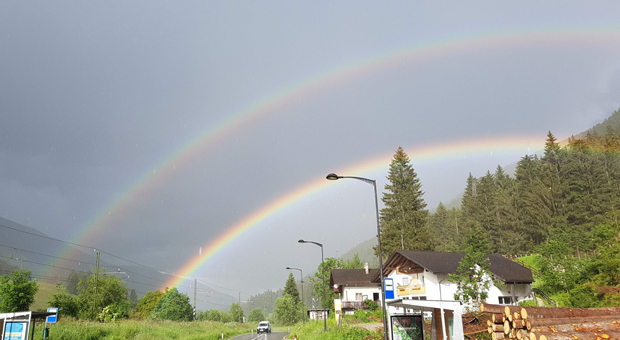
{"points": [[547, 323]]}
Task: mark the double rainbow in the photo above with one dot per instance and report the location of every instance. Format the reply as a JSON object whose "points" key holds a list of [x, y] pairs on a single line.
{"points": [[311, 86]]}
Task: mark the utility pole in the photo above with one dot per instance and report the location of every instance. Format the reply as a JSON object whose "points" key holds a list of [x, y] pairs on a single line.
{"points": [[195, 283], [95, 288]]}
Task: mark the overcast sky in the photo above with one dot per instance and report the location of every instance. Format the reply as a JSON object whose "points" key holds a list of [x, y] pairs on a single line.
{"points": [[96, 96]]}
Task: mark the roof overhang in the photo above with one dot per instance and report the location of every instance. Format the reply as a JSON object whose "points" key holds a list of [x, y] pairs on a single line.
{"points": [[25, 315], [426, 305]]}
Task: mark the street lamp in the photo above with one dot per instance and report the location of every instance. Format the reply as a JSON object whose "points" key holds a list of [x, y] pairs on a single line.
{"points": [[334, 177], [301, 275], [323, 270]]}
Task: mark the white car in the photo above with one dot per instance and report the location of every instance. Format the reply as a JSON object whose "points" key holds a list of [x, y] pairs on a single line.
{"points": [[263, 327]]}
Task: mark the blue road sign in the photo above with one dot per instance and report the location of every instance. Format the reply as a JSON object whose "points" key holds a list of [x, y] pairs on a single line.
{"points": [[389, 288], [52, 318]]}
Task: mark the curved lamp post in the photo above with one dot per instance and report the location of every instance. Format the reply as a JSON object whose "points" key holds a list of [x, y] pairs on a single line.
{"points": [[333, 177], [301, 275], [323, 270]]}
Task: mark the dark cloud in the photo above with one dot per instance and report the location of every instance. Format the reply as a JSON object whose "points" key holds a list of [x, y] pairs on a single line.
{"points": [[95, 97]]}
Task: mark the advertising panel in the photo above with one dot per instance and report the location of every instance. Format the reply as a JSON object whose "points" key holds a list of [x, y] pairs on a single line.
{"points": [[15, 330], [407, 327], [338, 311]]}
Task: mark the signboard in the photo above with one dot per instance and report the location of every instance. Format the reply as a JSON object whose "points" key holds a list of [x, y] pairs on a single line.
{"points": [[338, 311], [15, 330], [52, 318], [388, 286], [407, 327]]}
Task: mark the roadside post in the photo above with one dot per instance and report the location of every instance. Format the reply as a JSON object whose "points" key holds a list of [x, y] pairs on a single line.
{"points": [[50, 319]]}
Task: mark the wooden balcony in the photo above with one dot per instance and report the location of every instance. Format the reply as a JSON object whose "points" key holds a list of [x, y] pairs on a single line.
{"points": [[353, 305], [411, 290]]}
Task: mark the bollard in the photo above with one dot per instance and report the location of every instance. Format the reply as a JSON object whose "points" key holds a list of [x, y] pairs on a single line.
{"points": [[222, 335]]}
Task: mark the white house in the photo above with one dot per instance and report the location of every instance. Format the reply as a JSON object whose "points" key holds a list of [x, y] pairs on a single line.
{"points": [[421, 285], [424, 276], [354, 286]]}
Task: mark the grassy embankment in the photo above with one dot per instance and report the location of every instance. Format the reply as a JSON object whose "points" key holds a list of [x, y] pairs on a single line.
{"points": [[44, 294], [314, 331], [146, 330]]}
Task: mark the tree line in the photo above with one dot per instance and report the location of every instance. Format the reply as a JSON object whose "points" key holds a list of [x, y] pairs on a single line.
{"points": [[561, 207]]}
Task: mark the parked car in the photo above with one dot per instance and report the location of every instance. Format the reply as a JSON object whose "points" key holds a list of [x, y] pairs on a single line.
{"points": [[263, 327]]}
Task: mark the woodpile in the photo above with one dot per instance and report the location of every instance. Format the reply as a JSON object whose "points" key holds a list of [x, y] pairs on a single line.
{"points": [[548, 323]]}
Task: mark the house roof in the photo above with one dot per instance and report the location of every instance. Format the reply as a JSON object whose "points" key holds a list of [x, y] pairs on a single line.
{"points": [[447, 263], [353, 277]]}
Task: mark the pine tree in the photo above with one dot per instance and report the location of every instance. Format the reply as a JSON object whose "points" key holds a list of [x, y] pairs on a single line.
{"points": [[513, 240], [441, 226], [532, 199], [470, 205], [404, 218], [290, 288], [488, 210]]}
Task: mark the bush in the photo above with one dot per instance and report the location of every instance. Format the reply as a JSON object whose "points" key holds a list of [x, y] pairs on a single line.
{"points": [[583, 297], [67, 304], [527, 303], [371, 305], [114, 312], [365, 316], [173, 306]]}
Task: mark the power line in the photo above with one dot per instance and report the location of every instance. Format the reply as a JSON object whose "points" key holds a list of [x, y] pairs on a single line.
{"points": [[107, 253], [233, 290], [88, 247]]}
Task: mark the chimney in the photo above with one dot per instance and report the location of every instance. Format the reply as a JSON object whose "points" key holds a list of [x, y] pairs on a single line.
{"points": [[366, 267]]}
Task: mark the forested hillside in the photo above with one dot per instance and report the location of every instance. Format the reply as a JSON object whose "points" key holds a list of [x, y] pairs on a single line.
{"points": [[562, 206]]}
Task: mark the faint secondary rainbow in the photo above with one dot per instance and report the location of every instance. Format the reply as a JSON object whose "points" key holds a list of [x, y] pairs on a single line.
{"points": [[478, 147], [292, 94]]}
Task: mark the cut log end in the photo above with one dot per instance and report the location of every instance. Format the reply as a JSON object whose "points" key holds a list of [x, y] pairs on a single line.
{"points": [[523, 313]]}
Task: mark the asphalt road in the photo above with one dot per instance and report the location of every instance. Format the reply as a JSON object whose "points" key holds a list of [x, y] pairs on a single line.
{"points": [[271, 336]]}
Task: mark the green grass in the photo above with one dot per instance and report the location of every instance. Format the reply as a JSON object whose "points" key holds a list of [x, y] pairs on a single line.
{"points": [[531, 262], [43, 295], [314, 331], [145, 330]]}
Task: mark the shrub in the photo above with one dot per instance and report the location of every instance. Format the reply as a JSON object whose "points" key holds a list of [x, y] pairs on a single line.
{"points": [[371, 305]]}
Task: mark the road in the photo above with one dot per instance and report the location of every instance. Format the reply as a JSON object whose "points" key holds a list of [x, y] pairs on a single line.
{"points": [[271, 336]]}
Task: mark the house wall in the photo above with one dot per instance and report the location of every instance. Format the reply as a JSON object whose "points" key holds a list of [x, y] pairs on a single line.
{"points": [[448, 289], [349, 293], [522, 291]]}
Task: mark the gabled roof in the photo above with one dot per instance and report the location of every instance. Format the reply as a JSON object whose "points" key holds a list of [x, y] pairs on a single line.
{"points": [[353, 277], [447, 263]]}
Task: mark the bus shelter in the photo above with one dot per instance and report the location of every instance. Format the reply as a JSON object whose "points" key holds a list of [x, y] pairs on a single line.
{"points": [[20, 325], [446, 319]]}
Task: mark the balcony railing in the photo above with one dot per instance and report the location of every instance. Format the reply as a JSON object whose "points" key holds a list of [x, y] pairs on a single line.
{"points": [[353, 305], [411, 290]]}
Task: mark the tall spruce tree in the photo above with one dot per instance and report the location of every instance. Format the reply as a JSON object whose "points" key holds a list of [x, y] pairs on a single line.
{"points": [[404, 218], [290, 288], [470, 203], [441, 228]]}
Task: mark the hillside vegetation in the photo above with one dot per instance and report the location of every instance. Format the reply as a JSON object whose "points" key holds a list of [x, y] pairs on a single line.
{"points": [[563, 207]]}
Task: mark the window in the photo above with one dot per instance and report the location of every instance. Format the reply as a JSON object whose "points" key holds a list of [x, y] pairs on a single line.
{"points": [[505, 300], [405, 281], [358, 296], [418, 298], [375, 296]]}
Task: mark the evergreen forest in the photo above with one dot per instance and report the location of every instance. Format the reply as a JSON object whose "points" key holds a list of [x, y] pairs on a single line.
{"points": [[559, 210]]}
